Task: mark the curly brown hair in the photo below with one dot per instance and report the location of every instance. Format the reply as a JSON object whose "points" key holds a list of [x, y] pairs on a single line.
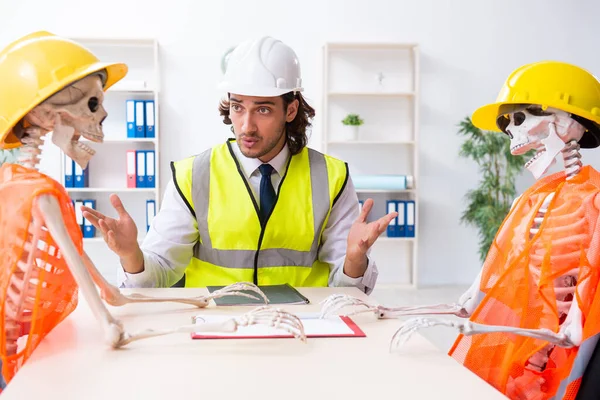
{"points": [[295, 131]]}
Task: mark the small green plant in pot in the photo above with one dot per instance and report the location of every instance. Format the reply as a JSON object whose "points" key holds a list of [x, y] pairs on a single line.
{"points": [[490, 202], [351, 123]]}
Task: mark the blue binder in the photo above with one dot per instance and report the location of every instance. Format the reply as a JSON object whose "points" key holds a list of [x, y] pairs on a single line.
{"points": [[410, 218], [140, 120], [150, 213], [401, 218], [89, 230], [130, 116], [150, 119], [392, 228], [69, 172], [150, 169], [140, 168], [81, 176], [79, 214]]}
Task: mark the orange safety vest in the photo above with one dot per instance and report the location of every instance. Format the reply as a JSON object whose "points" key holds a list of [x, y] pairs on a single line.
{"points": [[19, 187], [512, 295]]}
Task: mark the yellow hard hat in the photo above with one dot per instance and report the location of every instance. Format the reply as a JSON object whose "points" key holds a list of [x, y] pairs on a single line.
{"points": [[549, 84], [35, 67]]}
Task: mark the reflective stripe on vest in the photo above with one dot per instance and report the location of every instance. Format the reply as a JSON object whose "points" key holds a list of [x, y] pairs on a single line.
{"points": [[268, 257], [218, 194]]}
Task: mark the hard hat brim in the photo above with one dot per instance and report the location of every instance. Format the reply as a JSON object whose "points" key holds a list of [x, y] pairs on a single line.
{"points": [[485, 117], [250, 90], [114, 71]]}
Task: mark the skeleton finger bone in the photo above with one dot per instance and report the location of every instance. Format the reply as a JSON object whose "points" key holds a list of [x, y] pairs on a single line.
{"points": [[264, 315], [113, 296], [412, 325], [338, 301]]}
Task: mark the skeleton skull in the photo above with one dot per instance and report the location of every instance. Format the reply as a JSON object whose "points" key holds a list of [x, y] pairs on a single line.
{"points": [[530, 127], [73, 112]]}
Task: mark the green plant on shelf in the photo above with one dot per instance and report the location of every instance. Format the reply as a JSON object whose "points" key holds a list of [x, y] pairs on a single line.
{"points": [[352, 119]]}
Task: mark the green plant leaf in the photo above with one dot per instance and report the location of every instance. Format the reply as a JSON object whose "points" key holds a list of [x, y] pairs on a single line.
{"points": [[488, 205]]}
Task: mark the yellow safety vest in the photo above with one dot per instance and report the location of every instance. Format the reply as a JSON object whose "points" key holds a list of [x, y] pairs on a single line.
{"points": [[233, 245]]}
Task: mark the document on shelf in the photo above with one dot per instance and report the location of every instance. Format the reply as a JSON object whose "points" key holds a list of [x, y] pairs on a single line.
{"points": [[314, 327]]}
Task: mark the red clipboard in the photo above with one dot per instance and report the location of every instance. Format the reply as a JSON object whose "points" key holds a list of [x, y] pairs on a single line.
{"points": [[339, 326]]}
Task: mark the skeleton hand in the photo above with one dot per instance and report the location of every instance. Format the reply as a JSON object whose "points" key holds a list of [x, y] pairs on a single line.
{"points": [[337, 301], [264, 315]]}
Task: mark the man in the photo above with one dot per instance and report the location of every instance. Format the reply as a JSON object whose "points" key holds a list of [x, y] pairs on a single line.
{"points": [[264, 190]]}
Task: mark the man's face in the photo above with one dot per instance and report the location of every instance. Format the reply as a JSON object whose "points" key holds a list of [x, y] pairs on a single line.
{"points": [[259, 124]]}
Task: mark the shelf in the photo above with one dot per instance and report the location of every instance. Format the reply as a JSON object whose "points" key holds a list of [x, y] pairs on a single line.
{"points": [[130, 140], [370, 46], [371, 94], [116, 41], [385, 190], [105, 190], [100, 239], [115, 89], [371, 142], [395, 239]]}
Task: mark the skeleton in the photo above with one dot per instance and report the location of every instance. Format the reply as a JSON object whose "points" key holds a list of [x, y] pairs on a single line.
{"points": [[74, 112], [568, 228]]}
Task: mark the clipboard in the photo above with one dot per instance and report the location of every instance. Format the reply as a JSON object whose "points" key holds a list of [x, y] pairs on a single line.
{"points": [[277, 294], [339, 326]]}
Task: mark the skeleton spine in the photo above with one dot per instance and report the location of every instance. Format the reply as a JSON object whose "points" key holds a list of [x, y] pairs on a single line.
{"points": [[572, 159], [32, 147]]}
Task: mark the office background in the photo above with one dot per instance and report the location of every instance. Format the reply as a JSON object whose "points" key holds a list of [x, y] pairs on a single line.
{"points": [[467, 48]]}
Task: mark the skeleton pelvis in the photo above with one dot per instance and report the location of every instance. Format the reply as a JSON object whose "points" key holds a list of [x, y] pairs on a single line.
{"points": [[37, 290]]}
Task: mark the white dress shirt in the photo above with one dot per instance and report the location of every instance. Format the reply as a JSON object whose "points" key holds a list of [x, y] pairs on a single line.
{"points": [[169, 243]]}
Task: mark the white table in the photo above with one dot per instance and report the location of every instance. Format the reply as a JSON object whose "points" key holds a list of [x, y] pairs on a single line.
{"points": [[74, 363]]}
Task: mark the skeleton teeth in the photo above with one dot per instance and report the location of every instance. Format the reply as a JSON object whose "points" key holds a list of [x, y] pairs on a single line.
{"points": [[535, 157], [85, 147]]}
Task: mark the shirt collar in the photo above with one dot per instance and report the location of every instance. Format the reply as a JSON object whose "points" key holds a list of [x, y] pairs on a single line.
{"points": [[250, 165]]}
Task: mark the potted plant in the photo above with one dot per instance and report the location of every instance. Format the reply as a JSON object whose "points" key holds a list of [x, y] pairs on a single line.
{"points": [[352, 122], [490, 202]]}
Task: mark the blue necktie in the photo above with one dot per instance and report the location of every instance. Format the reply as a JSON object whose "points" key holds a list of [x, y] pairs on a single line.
{"points": [[267, 192]]}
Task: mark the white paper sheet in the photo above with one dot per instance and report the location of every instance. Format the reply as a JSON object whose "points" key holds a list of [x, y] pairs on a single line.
{"points": [[313, 326]]}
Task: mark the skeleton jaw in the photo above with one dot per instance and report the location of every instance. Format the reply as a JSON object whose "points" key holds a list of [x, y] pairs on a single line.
{"points": [[64, 137], [545, 157]]}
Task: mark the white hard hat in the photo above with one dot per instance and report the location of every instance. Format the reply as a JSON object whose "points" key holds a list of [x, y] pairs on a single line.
{"points": [[264, 67]]}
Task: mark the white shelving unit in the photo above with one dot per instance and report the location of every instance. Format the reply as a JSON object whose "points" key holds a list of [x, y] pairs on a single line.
{"points": [[107, 168], [380, 83]]}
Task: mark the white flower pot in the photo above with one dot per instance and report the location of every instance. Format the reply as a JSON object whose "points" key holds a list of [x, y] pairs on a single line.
{"points": [[349, 132]]}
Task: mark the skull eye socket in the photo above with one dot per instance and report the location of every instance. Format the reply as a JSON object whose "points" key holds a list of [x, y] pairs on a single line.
{"points": [[502, 123], [93, 104], [519, 118]]}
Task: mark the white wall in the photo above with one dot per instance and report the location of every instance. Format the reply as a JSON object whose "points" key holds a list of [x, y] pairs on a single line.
{"points": [[468, 47]]}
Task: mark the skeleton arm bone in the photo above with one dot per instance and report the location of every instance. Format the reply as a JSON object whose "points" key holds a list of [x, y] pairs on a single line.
{"points": [[264, 315], [114, 297], [51, 213], [466, 305], [116, 335], [570, 334]]}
